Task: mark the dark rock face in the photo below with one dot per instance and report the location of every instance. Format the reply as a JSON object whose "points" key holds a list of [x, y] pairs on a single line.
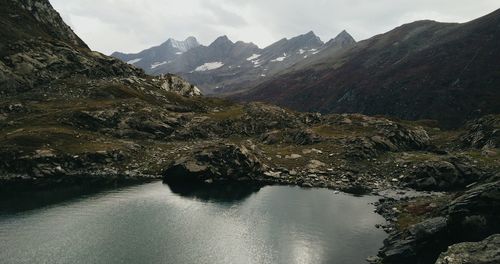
{"points": [[291, 136], [35, 63], [390, 137], [219, 162], [46, 21], [473, 216], [443, 175], [420, 244], [483, 133], [486, 251]]}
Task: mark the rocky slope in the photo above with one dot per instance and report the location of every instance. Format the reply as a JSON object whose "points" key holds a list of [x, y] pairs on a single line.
{"points": [[421, 70], [50, 84], [225, 66]]}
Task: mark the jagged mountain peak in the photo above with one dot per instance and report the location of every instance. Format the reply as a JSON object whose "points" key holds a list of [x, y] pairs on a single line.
{"points": [[221, 41], [183, 45], [308, 35], [309, 38], [343, 39]]}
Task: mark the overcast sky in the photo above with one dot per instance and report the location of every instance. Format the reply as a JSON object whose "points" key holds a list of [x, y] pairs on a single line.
{"points": [[134, 25]]}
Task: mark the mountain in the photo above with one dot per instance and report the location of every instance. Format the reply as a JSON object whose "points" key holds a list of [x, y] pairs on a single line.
{"points": [[154, 57], [225, 66], [422, 70], [69, 115]]}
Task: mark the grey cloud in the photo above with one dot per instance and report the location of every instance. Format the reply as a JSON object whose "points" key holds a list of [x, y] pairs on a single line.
{"points": [[223, 16], [131, 25]]}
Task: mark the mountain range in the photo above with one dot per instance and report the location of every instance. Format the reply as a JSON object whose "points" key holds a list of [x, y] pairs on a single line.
{"points": [[225, 66], [448, 72]]}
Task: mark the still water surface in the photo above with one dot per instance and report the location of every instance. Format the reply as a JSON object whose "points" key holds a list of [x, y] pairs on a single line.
{"points": [[154, 223]]}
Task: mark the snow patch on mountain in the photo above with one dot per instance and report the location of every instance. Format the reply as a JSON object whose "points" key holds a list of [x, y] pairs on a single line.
{"points": [[253, 57], [314, 51], [209, 66], [279, 59], [134, 61], [158, 64]]}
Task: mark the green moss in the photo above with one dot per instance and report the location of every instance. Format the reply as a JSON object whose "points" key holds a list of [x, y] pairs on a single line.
{"points": [[63, 139], [490, 161], [419, 209], [229, 113], [342, 131]]}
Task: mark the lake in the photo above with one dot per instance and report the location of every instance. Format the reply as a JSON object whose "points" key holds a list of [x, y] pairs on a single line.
{"points": [[155, 223]]}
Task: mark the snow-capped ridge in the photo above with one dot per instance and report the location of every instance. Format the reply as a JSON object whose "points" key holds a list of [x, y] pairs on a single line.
{"points": [[184, 45]]}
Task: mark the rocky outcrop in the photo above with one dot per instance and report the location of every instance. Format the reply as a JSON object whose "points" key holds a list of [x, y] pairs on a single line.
{"points": [[45, 15], [443, 175], [486, 251], [291, 136], [173, 83], [35, 64], [475, 214], [472, 216], [216, 163], [483, 133], [388, 137], [47, 168], [422, 243]]}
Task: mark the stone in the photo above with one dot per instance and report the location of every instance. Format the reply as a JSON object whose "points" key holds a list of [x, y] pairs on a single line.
{"points": [[275, 174], [486, 251], [315, 164], [428, 228], [216, 162], [442, 175], [293, 156], [482, 133]]}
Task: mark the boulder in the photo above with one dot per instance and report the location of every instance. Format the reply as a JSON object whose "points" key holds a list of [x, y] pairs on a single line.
{"points": [[216, 162], [443, 175], [390, 137], [476, 214], [482, 133], [175, 84], [486, 251], [421, 243], [473, 216]]}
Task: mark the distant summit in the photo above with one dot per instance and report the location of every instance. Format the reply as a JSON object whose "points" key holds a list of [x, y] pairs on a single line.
{"points": [[343, 39], [183, 46], [225, 66], [154, 57]]}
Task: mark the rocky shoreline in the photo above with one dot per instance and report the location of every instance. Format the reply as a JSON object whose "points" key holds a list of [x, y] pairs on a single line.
{"points": [[467, 190]]}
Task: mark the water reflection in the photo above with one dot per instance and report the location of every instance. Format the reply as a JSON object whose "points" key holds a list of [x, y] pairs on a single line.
{"points": [[215, 192]]}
